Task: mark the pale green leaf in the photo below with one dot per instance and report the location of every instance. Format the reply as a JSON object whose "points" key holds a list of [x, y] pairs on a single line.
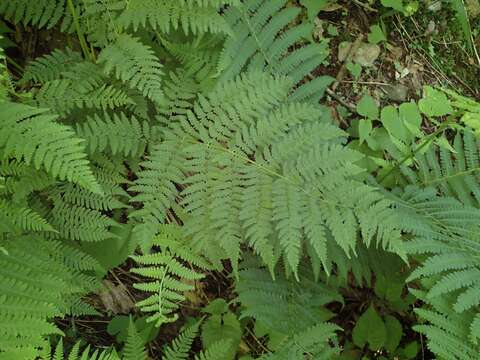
{"points": [[367, 107]]}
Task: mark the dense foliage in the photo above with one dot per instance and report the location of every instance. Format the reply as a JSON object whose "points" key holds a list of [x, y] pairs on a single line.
{"points": [[176, 139]]}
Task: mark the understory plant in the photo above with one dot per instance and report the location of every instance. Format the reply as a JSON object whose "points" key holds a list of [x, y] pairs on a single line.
{"points": [[186, 140]]}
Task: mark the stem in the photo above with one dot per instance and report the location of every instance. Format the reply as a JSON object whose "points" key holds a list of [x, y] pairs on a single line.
{"points": [[430, 137], [81, 36]]}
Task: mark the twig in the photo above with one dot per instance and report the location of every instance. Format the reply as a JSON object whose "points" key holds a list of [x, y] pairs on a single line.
{"points": [[341, 100], [343, 68], [365, 6]]}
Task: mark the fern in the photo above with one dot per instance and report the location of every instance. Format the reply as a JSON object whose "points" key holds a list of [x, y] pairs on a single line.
{"points": [[134, 63], [20, 218], [42, 13], [37, 283], [166, 15], [51, 67], [117, 133], [455, 175], [179, 348], [170, 277], [133, 349], [244, 120], [447, 331], [33, 135], [262, 40], [273, 305]]}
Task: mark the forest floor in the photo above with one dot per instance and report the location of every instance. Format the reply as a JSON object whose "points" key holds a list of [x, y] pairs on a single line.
{"points": [[421, 49]]}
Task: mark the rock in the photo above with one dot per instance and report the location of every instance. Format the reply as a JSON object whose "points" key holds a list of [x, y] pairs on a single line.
{"points": [[343, 50], [397, 92], [367, 54], [473, 8]]}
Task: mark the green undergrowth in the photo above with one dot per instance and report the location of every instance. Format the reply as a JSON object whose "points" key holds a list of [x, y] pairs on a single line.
{"points": [[175, 183]]}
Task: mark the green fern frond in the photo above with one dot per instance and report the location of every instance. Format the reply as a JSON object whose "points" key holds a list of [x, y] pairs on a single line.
{"points": [[165, 15], [33, 135], [315, 342], [64, 95], [51, 66], [21, 218], [80, 223], [273, 305], [35, 287], [262, 40], [179, 348], [156, 182], [76, 354], [241, 133], [170, 277], [118, 133], [134, 349], [136, 64], [447, 331], [216, 351], [42, 13], [454, 175]]}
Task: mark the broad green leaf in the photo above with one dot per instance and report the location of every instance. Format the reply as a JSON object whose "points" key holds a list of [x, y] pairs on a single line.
{"points": [[394, 4], [370, 329], [367, 107], [410, 116], [314, 6], [394, 333], [395, 127], [410, 351], [376, 35], [216, 307], [364, 129], [355, 69], [222, 327], [434, 103]]}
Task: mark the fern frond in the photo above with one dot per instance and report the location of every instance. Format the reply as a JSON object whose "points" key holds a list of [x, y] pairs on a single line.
{"points": [[79, 223], [118, 133], [179, 348], [136, 64], [33, 135], [134, 349], [447, 331], [21, 218], [216, 351], [50, 67], [273, 305], [65, 94], [35, 287], [191, 16], [454, 175], [262, 40], [242, 130], [170, 278], [42, 13]]}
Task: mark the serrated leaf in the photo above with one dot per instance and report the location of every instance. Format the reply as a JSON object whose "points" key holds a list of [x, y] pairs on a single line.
{"points": [[395, 127], [216, 307], [222, 327], [434, 103], [367, 107], [411, 117], [364, 129]]}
